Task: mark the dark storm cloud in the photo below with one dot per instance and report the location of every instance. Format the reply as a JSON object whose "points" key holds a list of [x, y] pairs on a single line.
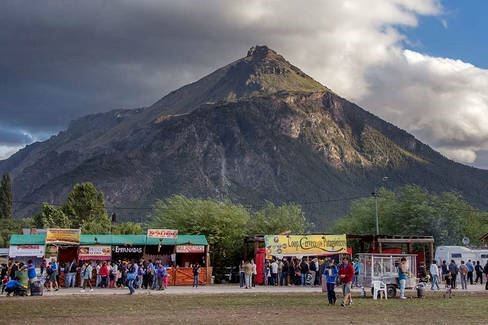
{"points": [[60, 60]]}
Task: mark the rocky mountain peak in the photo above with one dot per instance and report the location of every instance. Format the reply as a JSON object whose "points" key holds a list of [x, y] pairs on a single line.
{"points": [[260, 52]]}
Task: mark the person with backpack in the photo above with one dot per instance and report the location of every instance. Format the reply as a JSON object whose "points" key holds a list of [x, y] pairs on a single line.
{"points": [[463, 272], [131, 277], [86, 275], [330, 273]]}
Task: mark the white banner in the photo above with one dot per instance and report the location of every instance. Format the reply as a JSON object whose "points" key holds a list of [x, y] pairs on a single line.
{"points": [[162, 233], [26, 250]]}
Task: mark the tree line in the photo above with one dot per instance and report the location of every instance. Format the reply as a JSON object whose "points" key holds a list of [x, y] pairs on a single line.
{"points": [[410, 210]]}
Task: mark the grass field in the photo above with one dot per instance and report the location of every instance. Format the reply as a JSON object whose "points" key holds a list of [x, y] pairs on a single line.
{"points": [[242, 309]]}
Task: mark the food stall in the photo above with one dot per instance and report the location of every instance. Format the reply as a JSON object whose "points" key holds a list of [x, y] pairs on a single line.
{"points": [[179, 252]]}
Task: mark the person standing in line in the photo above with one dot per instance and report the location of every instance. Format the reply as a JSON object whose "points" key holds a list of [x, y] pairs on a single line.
{"points": [[403, 276], [463, 274], [104, 273], [313, 271], [453, 269], [274, 273], [445, 271], [196, 274], [248, 274], [87, 272], [330, 273], [284, 273], [479, 272], [280, 270], [71, 275], [98, 278], [470, 267], [434, 273], [242, 275], [303, 271], [346, 274], [254, 272]]}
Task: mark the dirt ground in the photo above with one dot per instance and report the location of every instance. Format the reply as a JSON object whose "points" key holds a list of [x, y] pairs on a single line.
{"points": [[259, 308]]}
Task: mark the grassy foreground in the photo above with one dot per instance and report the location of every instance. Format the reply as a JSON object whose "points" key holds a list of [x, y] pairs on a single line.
{"points": [[241, 309]]}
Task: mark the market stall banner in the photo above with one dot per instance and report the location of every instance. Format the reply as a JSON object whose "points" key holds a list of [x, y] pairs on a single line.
{"points": [[98, 253], [305, 245], [127, 249], [162, 233], [190, 249], [63, 236], [26, 250]]}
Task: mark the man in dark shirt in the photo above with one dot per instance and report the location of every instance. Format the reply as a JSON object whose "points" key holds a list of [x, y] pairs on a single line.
{"points": [[304, 271]]}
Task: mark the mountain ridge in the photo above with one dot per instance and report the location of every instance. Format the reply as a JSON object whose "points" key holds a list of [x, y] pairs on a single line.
{"points": [[256, 130]]}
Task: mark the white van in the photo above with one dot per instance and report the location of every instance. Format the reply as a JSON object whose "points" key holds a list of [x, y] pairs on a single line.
{"points": [[460, 253]]}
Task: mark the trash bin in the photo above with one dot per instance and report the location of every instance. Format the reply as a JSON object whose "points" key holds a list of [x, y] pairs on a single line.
{"points": [[420, 290]]}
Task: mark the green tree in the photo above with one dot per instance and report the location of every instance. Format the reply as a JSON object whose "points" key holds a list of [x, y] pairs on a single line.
{"points": [[85, 207], [6, 198], [51, 217], [415, 211], [9, 227], [128, 228], [274, 219], [223, 223]]}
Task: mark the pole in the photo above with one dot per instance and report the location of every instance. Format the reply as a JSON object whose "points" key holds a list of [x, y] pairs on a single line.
{"points": [[376, 210]]}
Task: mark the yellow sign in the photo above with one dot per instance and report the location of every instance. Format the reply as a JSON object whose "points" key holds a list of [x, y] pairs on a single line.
{"points": [[63, 236], [305, 245]]}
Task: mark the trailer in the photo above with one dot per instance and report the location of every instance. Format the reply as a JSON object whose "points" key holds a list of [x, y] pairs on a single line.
{"points": [[384, 267], [461, 253]]}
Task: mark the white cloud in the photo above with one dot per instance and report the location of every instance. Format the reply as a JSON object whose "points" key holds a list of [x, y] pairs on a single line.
{"points": [[7, 151]]}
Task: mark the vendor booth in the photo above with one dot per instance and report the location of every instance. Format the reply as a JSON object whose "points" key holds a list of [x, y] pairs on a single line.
{"points": [[294, 247], [178, 253]]}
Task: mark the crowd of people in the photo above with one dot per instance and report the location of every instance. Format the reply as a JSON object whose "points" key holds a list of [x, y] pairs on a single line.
{"points": [[453, 274], [18, 277]]}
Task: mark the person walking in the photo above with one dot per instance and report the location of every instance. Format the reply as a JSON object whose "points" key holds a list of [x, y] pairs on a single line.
{"points": [[403, 276], [434, 273], [470, 267], [463, 274], [453, 269], [196, 274], [330, 273], [131, 277], [87, 273], [346, 275], [53, 276], [479, 272], [485, 269]]}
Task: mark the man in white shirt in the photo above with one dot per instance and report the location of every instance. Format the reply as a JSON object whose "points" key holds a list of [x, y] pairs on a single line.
{"points": [[274, 273], [434, 273]]}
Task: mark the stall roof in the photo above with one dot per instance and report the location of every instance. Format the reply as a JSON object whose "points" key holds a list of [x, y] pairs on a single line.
{"points": [[39, 239], [36, 239]]}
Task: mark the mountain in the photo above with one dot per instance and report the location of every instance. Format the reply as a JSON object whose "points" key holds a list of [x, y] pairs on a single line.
{"points": [[256, 130]]}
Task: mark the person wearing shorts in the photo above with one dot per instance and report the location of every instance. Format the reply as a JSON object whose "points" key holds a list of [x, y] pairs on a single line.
{"points": [[346, 274]]}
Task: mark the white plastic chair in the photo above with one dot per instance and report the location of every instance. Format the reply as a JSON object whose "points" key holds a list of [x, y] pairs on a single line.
{"points": [[379, 286]]}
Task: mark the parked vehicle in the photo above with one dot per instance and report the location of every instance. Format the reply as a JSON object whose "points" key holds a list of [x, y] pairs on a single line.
{"points": [[458, 253], [384, 267]]}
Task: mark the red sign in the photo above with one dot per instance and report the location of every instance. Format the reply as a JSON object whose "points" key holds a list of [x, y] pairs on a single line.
{"points": [[190, 249], [162, 233]]}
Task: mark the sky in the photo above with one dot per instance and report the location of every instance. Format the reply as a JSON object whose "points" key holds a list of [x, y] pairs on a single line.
{"points": [[420, 64]]}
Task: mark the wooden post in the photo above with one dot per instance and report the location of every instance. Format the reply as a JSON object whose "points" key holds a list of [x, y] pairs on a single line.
{"points": [[431, 249]]}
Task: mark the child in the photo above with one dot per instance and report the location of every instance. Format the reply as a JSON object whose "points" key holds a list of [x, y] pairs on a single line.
{"points": [[4, 283]]}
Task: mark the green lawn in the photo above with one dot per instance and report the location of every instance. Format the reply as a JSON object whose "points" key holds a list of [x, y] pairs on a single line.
{"points": [[242, 309]]}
